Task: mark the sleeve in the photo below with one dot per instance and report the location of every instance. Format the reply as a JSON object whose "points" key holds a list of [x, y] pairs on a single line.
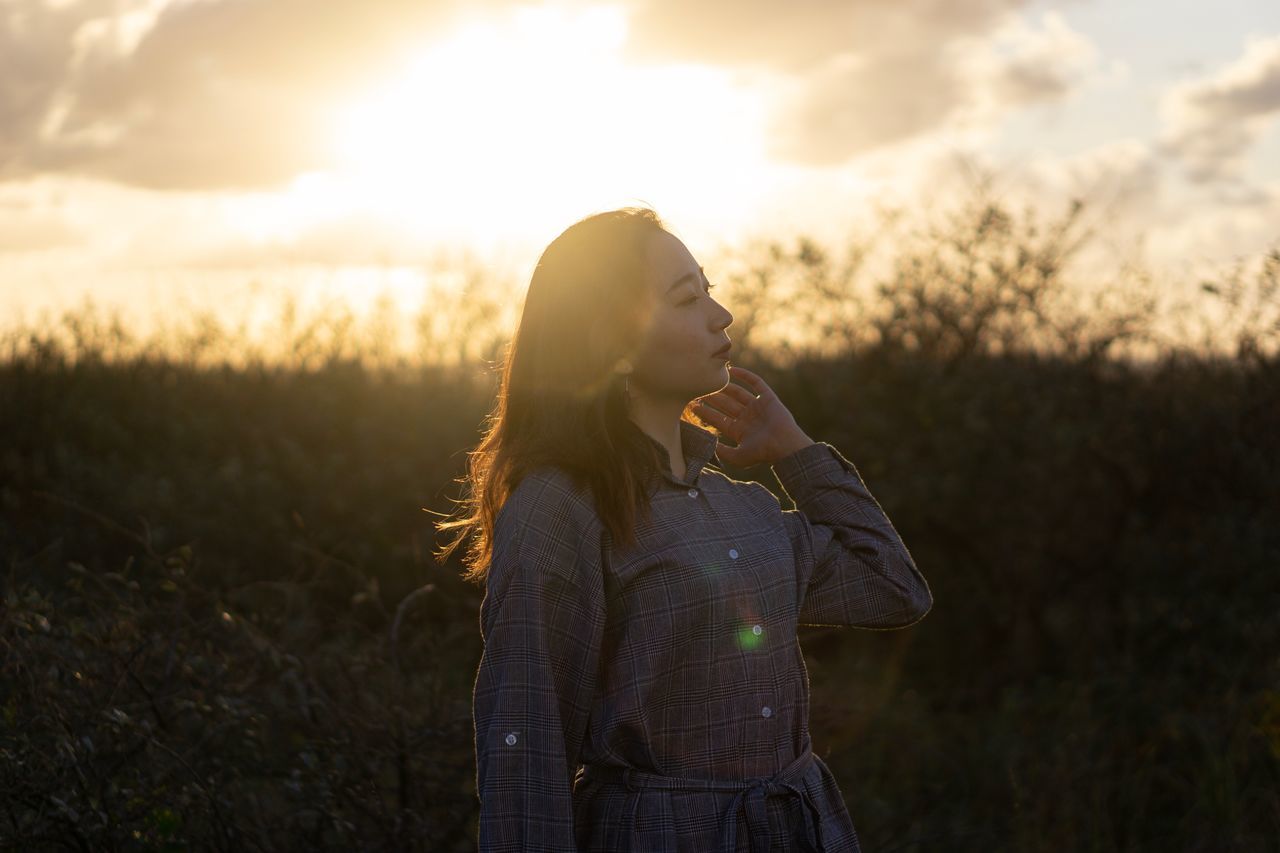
{"points": [[852, 567], [542, 622]]}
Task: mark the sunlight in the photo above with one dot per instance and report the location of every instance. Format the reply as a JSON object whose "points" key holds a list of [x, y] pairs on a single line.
{"points": [[312, 198], [512, 123]]}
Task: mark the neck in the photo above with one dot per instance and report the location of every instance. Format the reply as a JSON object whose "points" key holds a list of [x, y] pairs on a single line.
{"points": [[660, 420]]}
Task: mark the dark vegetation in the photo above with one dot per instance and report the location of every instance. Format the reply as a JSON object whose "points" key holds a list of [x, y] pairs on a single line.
{"points": [[222, 626]]}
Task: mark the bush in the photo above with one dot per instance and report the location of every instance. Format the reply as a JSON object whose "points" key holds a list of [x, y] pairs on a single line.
{"points": [[223, 628]]}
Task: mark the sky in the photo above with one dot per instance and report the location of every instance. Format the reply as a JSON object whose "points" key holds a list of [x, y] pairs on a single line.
{"points": [[156, 154]]}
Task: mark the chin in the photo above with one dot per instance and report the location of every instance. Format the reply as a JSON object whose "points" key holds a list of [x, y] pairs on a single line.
{"points": [[722, 379]]}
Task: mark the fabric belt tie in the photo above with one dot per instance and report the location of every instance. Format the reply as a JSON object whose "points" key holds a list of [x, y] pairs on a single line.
{"points": [[750, 799]]}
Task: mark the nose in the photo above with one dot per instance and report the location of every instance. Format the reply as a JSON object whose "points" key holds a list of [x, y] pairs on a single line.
{"points": [[722, 318]]}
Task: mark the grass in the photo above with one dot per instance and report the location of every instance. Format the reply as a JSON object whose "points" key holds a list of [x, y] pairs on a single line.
{"points": [[222, 627]]}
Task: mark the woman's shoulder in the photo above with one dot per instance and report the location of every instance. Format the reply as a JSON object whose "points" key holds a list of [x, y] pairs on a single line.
{"points": [[547, 523], [549, 492]]}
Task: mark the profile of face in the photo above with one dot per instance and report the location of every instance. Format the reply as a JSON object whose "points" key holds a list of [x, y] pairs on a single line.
{"points": [[682, 353]]}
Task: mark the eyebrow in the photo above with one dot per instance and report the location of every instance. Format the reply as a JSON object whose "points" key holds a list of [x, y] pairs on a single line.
{"points": [[686, 277]]}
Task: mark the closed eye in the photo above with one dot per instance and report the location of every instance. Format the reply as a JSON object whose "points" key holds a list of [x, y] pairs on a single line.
{"points": [[693, 299]]}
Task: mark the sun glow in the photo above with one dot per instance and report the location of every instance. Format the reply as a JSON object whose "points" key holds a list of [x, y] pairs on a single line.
{"points": [[491, 140], [535, 118]]}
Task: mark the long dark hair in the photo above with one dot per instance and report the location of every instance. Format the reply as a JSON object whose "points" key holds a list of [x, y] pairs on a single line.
{"points": [[561, 400]]}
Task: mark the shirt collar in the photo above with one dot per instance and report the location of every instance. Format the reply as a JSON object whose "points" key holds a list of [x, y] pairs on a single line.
{"points": [[699, 446]]}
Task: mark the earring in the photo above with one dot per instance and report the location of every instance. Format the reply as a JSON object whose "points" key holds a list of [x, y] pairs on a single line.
{"points": [[625, 367]]}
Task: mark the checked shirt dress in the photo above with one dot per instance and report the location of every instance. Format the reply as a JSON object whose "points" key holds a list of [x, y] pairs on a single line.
{"points": [[654, 697]]}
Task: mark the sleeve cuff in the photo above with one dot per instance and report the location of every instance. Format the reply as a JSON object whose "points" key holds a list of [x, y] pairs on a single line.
{"points": [[817, 464]]}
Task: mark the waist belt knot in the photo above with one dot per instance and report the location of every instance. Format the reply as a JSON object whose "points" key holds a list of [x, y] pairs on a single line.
{"points": [[749, 799]]}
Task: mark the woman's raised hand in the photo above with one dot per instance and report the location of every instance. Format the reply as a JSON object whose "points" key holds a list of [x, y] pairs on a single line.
{"points": [[753, 418]]}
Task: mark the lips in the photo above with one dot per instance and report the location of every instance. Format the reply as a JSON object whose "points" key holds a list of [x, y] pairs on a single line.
{"points": [[723, 351]]}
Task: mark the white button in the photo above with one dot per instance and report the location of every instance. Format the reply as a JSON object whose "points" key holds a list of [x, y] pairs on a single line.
{"points": [[766, 711], [733, 553], [757, 630], [511, 738], [693, 493]]}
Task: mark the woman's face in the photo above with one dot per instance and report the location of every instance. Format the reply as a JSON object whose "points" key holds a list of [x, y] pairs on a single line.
{"points": [[677, 357]]}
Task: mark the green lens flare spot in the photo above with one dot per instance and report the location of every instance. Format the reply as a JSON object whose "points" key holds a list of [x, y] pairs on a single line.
{"points": [[749, 638]]}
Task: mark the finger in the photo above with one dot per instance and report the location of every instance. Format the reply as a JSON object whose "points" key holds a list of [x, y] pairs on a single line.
{"points": [[749, 379], [729, 454], [736, 456], [716, 397], [739, 394], [724, 403], [718, 419]]}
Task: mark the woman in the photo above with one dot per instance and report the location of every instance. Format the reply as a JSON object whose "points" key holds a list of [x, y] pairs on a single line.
{"points": [[642, 686]]}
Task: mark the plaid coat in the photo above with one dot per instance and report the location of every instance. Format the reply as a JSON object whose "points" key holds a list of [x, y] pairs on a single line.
{"points": [[671, 669]]}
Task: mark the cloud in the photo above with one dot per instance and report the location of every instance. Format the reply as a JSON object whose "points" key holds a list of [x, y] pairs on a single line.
{"points": [[846, 77], [202, 94], [35, 44], [951, 80], [1211, 123], [803, 37], [239, 94], [857, 105], [1025, 65]]}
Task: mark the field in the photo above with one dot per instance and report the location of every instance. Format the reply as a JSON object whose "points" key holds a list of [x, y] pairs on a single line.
{"points": [[223, 626]]}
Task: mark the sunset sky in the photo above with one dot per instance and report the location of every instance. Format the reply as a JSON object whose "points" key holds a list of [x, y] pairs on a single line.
{"points": [[151, 149]]}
